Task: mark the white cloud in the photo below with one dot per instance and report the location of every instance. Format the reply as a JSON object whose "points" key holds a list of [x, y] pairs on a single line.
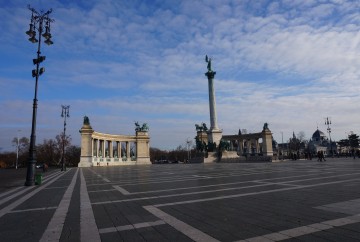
{"points": [[289, 63]]}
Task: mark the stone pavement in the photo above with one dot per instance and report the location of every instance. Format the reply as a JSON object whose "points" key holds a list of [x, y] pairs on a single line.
{"points": [[285, 201]]}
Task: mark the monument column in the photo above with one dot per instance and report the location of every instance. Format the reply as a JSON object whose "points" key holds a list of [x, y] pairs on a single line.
{"points": [[215, 133]]}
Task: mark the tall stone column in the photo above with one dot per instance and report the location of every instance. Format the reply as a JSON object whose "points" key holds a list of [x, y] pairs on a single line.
{"points": [[86, 144], [214, 132]]}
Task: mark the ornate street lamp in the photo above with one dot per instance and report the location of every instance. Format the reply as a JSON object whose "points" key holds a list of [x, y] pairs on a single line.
{"points": [[64, 114], [37, 22], [328, 123]]}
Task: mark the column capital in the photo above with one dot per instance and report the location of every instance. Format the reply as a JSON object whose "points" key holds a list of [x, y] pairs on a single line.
{"points": [[210, 74]]}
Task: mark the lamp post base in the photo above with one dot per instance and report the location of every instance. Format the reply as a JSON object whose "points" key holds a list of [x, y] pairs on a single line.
{"points": [[30, 175]]}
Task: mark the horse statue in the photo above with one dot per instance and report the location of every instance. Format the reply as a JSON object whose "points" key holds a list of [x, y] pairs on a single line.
{"points": [[137, 126], [198, 127], [204, 127], [143, 128]]}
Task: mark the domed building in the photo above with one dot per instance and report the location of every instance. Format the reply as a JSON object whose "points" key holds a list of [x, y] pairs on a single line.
{"points": [[319, 137], [320, 142]]}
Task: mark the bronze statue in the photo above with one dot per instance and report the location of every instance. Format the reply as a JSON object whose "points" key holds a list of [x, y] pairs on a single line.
{"points": [[143, 128], [201, 127], [86, 120], [208, 60]]}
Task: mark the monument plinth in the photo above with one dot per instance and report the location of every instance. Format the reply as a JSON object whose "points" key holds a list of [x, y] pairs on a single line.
{"points": [[86, 144]]}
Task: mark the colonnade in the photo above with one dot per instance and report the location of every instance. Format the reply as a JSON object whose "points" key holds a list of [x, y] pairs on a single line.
{"points": [[247, 144], [113, 149], [100, 149]]}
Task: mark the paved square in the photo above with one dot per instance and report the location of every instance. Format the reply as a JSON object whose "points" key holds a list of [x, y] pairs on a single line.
{"points": [[292, 200]]}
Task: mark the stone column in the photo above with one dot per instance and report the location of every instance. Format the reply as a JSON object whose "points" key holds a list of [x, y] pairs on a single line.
{"points": [[240, 148], [111, 149], [215, 133], [128, 150], [86, 145], [257, 151], [119, 150], [102, 148]]}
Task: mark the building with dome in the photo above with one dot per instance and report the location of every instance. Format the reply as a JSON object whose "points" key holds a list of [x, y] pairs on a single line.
{"points": [[320, 142]]}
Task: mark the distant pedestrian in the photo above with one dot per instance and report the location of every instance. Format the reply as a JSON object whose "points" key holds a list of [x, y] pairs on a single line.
{"points": [[322, 156], [319, 156]]}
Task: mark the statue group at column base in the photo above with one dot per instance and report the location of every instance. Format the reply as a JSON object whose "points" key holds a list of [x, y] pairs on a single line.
{"points": [[212, 146]]}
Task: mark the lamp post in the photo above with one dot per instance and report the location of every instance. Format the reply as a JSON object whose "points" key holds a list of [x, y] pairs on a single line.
{"points": [[328, 123], [37, 22], [282, 145], [188, 142], [64, 114], [17, 150]]}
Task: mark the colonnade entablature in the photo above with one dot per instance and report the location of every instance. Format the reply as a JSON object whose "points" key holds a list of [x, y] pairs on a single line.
{"points": [[101, 149]]}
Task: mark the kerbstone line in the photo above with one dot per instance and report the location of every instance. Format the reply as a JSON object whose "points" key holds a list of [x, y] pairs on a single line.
{"points": [[100, 176], [181, 226], [131, 226], [206, 186], [182, 194], [190, 178], [32, 209], [16, 194], [10, 191], [16, 203], [56, 224], [122, 190], [222, 197], [253, 193], [88, 228], [214, 185], [308, 229]]}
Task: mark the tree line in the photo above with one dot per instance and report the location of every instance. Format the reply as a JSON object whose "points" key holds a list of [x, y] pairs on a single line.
{"points": [[50, 151]]}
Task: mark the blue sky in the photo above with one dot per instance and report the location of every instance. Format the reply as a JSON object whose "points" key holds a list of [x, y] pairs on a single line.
{"points": [[290, 63]]}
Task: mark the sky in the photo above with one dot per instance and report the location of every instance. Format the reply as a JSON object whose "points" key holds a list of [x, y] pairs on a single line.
{"points": [[290, 63]]}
